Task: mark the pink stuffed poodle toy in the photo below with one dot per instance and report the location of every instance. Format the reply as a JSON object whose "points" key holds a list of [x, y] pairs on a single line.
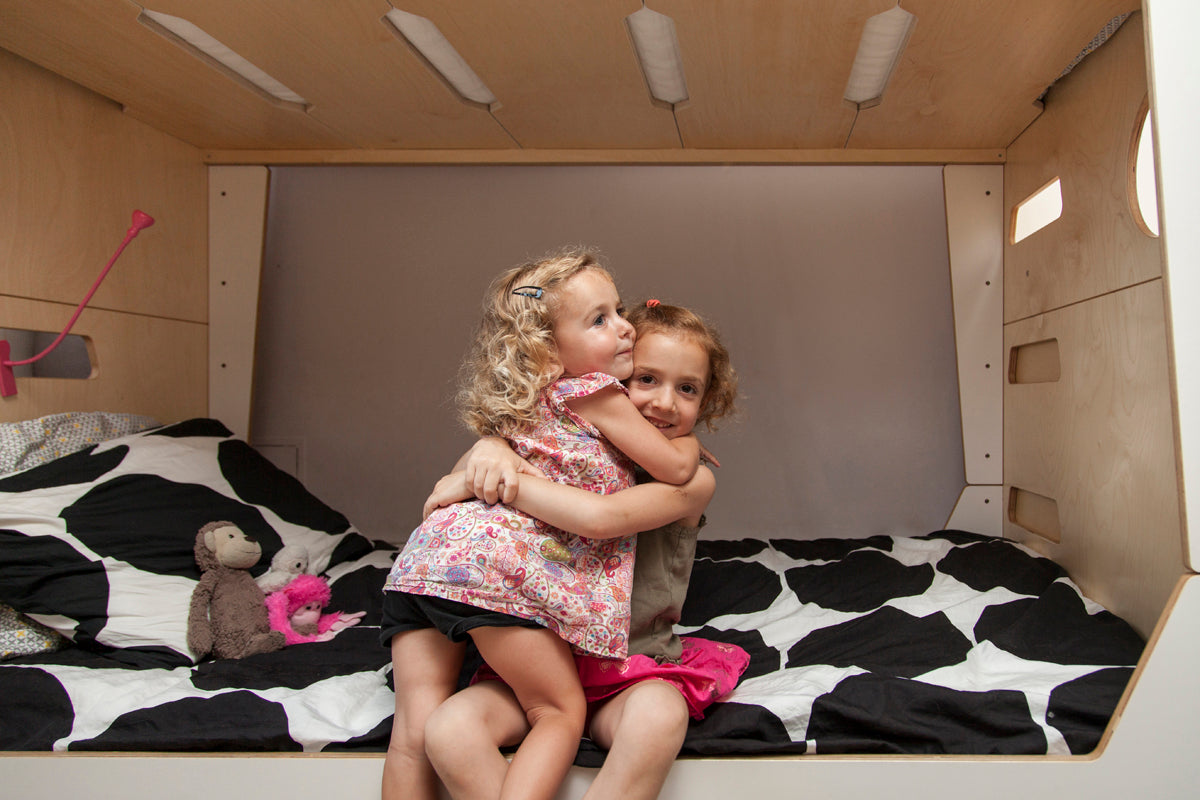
{"points": [[295, 611]]}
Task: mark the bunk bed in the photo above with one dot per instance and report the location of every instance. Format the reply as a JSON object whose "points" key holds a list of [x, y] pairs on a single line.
{"points": [[1108, 444]]}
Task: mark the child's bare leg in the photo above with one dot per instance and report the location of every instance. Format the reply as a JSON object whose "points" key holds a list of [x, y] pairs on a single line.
{"points": [[539, 668], [425, 666], [464, 736], [642, 728]]}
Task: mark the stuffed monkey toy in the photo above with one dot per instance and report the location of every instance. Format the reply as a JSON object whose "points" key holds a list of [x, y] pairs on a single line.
{"points": [[227, 618]]}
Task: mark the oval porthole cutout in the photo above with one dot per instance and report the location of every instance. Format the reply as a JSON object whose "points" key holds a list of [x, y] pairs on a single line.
{"points": [[1143, 184]]}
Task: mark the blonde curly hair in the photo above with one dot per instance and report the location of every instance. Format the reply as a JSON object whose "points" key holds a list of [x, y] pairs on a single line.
{"points": [[513, 356], [722, 388]]}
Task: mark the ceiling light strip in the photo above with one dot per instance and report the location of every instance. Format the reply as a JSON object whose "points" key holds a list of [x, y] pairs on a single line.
{"points": [[196, 41], [427, 39], [883, 40], [657, 49]]}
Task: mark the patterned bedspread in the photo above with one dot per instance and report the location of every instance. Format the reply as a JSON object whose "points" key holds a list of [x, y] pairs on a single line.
{"points": [[947, 643]]}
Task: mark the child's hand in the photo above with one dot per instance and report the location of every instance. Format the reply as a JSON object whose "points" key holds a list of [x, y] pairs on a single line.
{"points": [[706, 457], [491, 470], [449, 489]]}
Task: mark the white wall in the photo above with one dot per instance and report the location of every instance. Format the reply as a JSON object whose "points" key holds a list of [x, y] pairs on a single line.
{"points": [[831, 286]]}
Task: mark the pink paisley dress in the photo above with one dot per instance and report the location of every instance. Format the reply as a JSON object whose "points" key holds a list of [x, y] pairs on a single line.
{"points": [[495, 557], [702, 670]]}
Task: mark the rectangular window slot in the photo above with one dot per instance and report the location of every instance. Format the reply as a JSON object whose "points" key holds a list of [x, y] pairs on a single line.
{"points": [[1037, 211], [1034, 513], [73, 358], [1036, 362]]}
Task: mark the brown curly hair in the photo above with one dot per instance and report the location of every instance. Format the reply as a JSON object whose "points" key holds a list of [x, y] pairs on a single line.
{"points": [[513, 356], [721, 392]]}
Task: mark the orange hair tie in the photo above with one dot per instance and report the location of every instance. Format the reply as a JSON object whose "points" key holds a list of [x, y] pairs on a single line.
{"points": [[651, 303]]}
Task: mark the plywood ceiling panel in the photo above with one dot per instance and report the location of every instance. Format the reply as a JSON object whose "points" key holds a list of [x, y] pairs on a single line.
{"points": [[564, 74], [764, 75], [364, 83], [99, 44], [972, 72]]}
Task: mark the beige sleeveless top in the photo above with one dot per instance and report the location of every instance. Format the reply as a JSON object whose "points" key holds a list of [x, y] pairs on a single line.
{"points": [[661, 572]]}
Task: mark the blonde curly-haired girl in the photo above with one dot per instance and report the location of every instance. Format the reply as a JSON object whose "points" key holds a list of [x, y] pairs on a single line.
{"points": [[545, 373]]}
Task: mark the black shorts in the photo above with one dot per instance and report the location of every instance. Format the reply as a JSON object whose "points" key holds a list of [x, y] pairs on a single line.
{"points": [[409, 612]]}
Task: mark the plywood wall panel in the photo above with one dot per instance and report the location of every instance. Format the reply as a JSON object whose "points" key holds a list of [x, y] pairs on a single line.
{"points": [[72, 170], [1175, 74], [141, 365], [1099, 443], [1083, 138]]}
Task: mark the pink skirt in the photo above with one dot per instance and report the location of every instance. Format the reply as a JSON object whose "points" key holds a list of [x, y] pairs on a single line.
{"points": [[706, 672]]}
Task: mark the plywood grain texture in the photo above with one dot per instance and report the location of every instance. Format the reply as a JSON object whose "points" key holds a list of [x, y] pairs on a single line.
{"points": [[141, 365], [1083, 138], [1100, 443], [72, 170], [761, 75]]}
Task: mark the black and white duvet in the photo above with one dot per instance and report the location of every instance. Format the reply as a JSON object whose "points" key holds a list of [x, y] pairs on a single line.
{"points": [[947, 643], [944, 644], [324, 696]]}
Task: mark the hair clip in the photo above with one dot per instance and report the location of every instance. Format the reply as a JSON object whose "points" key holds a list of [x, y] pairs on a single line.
{"points": [[535, 292], [651, 303]]}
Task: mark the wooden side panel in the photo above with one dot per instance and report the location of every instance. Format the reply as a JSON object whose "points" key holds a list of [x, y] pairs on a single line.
{"points": [[141, 365], [1090, 473], [72, 170], [1175, 72], [974, 209], [1084, 139], [1099, 443], [237, 211]]}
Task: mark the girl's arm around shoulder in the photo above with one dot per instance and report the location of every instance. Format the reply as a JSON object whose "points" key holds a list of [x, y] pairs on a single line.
{"points": [[607, 516], [615, 416]]}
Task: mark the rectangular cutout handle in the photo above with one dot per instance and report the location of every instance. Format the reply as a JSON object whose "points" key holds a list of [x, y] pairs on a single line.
{"points": [[1034, 513], [1036, 362], [75, 357]]}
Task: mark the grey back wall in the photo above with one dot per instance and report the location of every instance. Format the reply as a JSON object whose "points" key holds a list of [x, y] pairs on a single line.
{"points": [[830, 285]]}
